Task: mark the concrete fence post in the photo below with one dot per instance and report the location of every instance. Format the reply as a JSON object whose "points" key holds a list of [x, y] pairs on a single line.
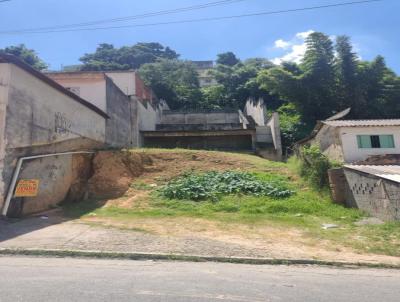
{"points": [[337, 184]]}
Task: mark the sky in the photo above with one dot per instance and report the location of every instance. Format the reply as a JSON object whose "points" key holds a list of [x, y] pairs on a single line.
{"points": [[373, 28]]}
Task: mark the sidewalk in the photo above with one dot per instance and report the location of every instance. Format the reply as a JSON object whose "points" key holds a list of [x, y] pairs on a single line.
{"points": [[56, 233]]}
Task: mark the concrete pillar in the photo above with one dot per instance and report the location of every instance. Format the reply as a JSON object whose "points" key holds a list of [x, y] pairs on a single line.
{"points": [[337, 184]]}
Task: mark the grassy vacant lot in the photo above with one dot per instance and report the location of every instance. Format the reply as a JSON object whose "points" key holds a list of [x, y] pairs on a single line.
{"points": [[294, 221]]}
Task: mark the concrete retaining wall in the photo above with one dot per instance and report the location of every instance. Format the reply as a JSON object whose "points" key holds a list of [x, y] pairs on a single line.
{"points": [[257, 110], [59, 177], [231, 142], [119, 127], [41, 120], [172, 118]]}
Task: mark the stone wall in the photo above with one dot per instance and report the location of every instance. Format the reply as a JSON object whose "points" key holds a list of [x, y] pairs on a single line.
{"points": [[374, 195]]}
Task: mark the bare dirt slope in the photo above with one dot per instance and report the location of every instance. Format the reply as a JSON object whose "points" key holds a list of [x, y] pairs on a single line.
{"points": [[115, 171]]}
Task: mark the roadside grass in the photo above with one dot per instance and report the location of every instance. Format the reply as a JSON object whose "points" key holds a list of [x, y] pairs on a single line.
{"points": [[306, 210]]}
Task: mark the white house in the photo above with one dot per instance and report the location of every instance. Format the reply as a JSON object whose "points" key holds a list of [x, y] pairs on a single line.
{"points": [[350, 141]]}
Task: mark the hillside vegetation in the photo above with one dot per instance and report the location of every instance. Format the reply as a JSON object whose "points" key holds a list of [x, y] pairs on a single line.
{"points": [[218, 194]]}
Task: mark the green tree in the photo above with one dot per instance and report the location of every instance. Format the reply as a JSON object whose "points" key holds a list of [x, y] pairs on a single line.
{"points": [[348, 84], [317, 83], [381, 90], [227, 58], [107, 57], [27, 55], [174, 81], [238, 83]]}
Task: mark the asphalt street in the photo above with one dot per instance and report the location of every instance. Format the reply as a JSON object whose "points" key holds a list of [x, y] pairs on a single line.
{"points": [[59, 279]]}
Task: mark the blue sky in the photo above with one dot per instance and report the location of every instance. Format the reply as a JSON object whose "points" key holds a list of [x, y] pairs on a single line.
{"points": [[373, 28]]}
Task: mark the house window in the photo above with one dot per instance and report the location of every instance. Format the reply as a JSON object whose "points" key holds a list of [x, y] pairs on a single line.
{"points": [[375, 141]]}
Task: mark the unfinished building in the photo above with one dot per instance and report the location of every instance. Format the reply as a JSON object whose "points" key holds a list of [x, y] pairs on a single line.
{"points": [[233, 130]]}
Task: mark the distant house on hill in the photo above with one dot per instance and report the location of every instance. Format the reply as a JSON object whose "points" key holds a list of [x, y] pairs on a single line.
{"points": [[350, 141], [203, 69]]}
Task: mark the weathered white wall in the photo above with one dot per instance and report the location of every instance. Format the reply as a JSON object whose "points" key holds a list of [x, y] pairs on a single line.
{"points": [[37, 114], [330, 143], [257, 110], [271, 133], [148, 117], [352, 153], [200, 118], [40, 120], [5, 72], [125, 81], [91, 89], [119, 126]]}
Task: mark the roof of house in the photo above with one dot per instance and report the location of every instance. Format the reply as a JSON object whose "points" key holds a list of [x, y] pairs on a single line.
{"points": [[363, 123], [6, 58], [390, 172]]}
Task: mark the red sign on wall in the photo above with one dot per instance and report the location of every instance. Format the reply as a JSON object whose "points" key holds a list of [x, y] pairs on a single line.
{"points": [[27, 188]]}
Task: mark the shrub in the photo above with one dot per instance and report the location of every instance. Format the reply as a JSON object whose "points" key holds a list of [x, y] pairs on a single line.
{"points": [[315, 165], [212, 185]]}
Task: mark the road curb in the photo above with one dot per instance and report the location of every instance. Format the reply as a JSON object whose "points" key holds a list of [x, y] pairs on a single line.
{"points": [[186, 258]]}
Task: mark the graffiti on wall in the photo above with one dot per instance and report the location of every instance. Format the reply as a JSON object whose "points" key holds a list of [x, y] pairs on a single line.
{"points": [[63, 125]]}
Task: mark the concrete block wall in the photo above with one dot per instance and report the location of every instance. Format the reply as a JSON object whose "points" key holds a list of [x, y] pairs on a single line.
{"points": [[376, 196]]}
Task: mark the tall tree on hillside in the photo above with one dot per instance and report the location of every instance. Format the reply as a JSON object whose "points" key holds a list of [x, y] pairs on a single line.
{"points": [[318, 78], [237, 83], [174, 81], [348, 92], [227, 58], [27, 55], [381, 90], [107, 57]]}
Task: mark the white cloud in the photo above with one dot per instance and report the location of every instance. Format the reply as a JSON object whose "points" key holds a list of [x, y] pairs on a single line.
{"points": [[303, 35], [295, 48], [282, 44]]}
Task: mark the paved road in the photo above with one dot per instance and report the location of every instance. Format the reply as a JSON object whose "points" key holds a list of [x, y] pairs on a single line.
{"points": [[56, 279]]}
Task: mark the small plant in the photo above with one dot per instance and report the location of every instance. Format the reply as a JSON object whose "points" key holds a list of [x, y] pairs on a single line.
{"points": [[212, 185], [141, 186]]}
